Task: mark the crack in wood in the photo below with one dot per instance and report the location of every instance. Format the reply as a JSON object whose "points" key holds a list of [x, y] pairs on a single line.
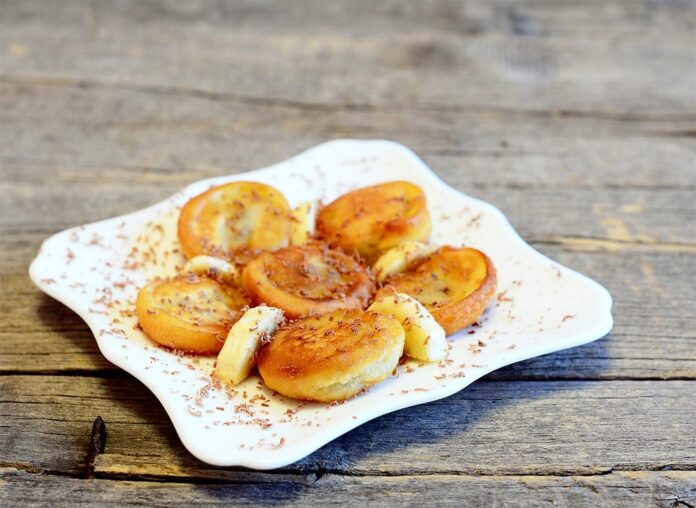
{"points": [[21, 466], [575, 186], [591, 244], [182, 175], [313, 475], [174, 90]]}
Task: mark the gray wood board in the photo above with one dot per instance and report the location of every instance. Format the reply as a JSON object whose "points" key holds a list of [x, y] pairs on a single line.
{"points": [[629, 489], [173, 139], [607, 58], [535, 427], [577, 120]]}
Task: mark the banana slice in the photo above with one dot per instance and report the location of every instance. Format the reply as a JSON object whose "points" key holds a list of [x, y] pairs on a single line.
{"points": [[214, 268], [397, 259], [238, 355], [425, 338], [302, 222]]}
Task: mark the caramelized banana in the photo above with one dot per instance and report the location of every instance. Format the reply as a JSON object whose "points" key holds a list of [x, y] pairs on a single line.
{"points": [[398, 258], [189, 313], [303, 224], [238, 355], [333, 356], [215, 268], [308, 280], [425, 338], [454, 284], [235, 221], [373, 219]]}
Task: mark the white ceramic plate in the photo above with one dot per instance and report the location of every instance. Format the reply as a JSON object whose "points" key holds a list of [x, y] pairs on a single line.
{"points": [[97, 269]]}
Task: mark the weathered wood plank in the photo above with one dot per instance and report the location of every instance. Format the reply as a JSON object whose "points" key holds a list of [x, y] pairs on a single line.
{"points": [[490, 428], [592, 20], [122, 150], [652, 338], [153, 138], [668, 488], [504, 54]]}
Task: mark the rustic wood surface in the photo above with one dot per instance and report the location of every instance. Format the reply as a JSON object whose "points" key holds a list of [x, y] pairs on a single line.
{"points": [[577, 119]]}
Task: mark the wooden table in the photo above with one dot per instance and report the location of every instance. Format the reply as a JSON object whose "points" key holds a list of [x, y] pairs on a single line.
{"points": [[576, 118]]}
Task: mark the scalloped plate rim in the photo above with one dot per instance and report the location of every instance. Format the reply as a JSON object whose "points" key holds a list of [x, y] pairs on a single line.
{"points": [[600, 329]]}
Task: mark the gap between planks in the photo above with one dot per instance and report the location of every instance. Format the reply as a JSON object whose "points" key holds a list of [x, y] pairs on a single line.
{"points": [[117, 466], [241, 475], [590, 244], [619, 489]]}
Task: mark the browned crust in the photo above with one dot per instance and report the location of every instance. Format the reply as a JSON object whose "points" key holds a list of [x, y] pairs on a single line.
{"points": [[286, 279], [180, 332], [193, 243], [337, 222], [460, 314], [344, 347]]}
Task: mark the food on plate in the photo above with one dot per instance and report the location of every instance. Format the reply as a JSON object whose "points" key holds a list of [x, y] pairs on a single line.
{"points": [[307, 280], [235, 221], [212, 267], [398, 258], [302, 225], [374, 219], [246, 246], [189, 313], [453, 283], [333, 356], [238, 354], [425, 338]]}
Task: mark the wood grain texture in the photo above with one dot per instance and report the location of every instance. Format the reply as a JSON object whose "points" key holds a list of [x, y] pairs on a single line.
{"points": [[560, 427], [172, 140], [512, 55], [578, 120], [670, 488]]}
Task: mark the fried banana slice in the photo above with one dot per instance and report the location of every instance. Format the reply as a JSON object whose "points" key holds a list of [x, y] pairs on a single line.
{"points": [[189, 313], [454, 284], [425, 338], [231, 220], [398, 258], [308, 280], [333, 356], [238, 355], [302, 227], [374, 219], [215, 268]]}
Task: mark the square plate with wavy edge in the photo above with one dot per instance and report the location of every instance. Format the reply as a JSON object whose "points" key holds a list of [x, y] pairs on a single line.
{"points": [[96, 270]]}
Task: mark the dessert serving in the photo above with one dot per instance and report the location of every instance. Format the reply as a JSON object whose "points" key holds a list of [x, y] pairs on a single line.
{"points": [[328, 310], [273, 311]]}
